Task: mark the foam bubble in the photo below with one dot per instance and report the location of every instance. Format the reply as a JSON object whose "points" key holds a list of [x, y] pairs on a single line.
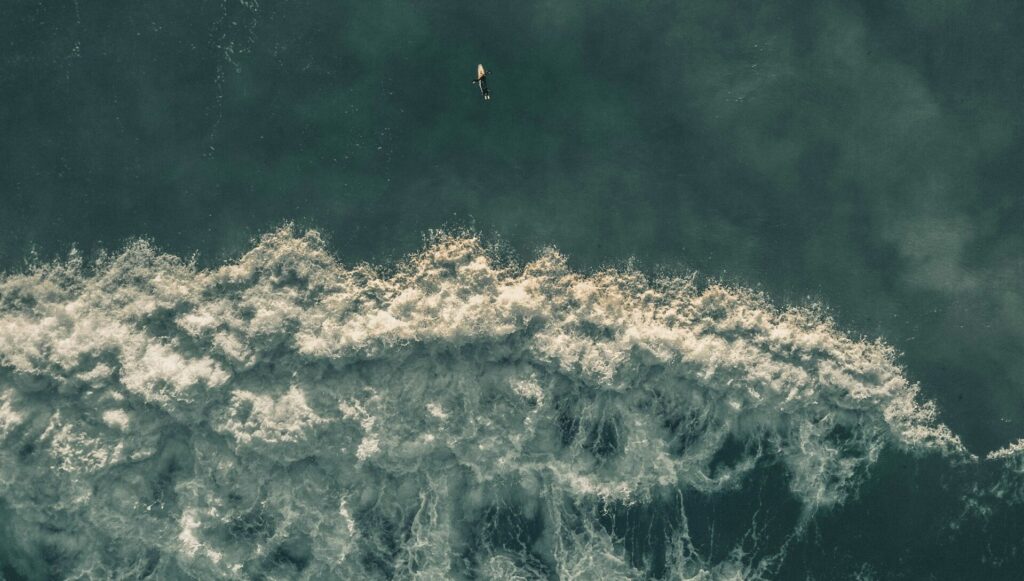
{"points": [[453, 417]]}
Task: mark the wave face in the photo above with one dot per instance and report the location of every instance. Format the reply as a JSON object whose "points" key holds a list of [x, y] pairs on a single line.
{"points": [[456, 416]]}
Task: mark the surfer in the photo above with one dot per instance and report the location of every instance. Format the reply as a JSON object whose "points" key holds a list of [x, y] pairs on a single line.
{"points": [[481, 81]]}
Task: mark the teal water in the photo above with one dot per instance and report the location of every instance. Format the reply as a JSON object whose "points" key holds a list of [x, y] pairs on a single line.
{"points": [[863, 157]]}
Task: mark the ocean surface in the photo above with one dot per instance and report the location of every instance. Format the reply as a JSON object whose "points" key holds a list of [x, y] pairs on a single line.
{"points": [[707, 290]]}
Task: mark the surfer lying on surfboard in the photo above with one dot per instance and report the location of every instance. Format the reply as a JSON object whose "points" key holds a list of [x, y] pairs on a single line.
{"points": [[481, 81]]}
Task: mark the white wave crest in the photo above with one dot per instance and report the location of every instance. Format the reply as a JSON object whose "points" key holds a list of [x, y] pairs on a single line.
{"points": [[453, 417]]}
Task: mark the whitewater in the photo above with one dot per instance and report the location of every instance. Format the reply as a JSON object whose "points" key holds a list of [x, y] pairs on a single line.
{"points": [[456, 415]]}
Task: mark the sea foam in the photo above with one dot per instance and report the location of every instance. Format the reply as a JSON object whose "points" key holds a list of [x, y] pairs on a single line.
{"points": [[453, 416]]}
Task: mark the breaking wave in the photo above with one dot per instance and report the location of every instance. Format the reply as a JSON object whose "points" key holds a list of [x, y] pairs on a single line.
{"points": [[454, 416]]}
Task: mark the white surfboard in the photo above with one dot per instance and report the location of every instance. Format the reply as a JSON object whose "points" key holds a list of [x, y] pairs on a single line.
{"points": [[481, 81]]}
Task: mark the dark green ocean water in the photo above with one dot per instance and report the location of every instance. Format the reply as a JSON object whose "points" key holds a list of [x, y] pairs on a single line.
{"points": [[867, 156]]}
